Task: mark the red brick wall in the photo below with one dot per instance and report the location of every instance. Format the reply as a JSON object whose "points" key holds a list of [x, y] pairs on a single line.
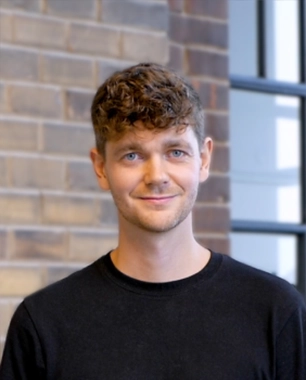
{"points": [[198, 44], [53, 55]]}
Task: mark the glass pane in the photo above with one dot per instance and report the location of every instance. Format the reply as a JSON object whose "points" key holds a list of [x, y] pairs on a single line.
{"points": [[265, 157], [276, 254], [242, 37], [282, 40]]}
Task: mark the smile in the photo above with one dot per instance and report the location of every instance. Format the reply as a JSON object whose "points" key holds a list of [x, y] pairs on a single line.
{"points": [[158, 200]]}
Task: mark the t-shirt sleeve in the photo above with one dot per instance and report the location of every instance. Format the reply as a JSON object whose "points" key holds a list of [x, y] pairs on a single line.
{"points": [[22, 357], [291, 347]]}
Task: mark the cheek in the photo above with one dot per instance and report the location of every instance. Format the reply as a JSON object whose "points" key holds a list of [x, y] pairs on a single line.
{"points": [[121, 181], [187, 179]]}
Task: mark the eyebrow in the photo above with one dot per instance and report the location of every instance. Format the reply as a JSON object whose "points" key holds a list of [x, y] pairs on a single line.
{"points": [[136, 146], [131, 146], [178, 144]]}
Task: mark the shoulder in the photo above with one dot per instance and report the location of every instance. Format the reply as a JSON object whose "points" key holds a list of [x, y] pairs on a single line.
{"points": [[252, 276], [64, 292], [259, 286]]}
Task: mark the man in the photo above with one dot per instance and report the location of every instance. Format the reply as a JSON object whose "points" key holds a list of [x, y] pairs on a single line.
{"points": [[159, 306]]}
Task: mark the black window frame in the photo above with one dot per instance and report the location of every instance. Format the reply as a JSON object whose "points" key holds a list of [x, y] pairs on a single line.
{"points": [[266, 86]]}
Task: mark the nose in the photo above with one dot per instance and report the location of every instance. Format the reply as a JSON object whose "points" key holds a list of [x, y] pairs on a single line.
{"points": [[156, 172]]}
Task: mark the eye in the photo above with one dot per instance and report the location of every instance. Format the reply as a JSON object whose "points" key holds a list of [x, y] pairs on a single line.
{"points": [[131, 156], [177, 153]]}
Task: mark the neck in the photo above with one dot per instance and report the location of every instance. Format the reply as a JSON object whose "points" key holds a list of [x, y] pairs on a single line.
{"points": [[159, 257]]}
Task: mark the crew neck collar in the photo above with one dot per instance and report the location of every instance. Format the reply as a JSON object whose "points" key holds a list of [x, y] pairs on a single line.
{"points": [[158, 288]]}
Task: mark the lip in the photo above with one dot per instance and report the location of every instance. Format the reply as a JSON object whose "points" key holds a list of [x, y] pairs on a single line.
{"points": [[158, 200]]}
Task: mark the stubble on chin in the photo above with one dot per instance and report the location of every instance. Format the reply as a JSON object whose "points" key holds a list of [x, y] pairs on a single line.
{"points": [[158, 222]]}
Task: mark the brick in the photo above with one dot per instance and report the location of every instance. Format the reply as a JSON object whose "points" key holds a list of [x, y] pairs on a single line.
{"points": [[19, 208], [19, 282], [2, 342], [222, 97], [209, 8], [74, 210], [221, 245], [210, 219], [149, 15], [5, 317], [29, 5], [217, 127], [67, 139], [81, 176], [31, 244], [15, 303], [3, 173], [107, 67], [190, 30], [18, 135], [98, 40], [135, 47], [176, 5], [206, 94], [206, 63], [3, 99], [178, 28], [89, 246], [72, 9], [176, 58], [215, 190], [40, 32], [212, 95], [18, 64], [3, 244], [58, 273], [36, 101], [67, 70], [220, 159], [207, 33], [6, 30], [107, 211], [37, 172], [79, 104]]}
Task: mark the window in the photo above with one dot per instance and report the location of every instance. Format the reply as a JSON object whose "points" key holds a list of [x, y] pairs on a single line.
{"points": [[268, 136]]}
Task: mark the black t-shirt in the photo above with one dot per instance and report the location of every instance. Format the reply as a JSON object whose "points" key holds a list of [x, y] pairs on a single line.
{"points": [[227, 322]]}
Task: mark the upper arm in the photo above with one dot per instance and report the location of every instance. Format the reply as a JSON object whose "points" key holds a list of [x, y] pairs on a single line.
{"points": [[291, 347], [22, 357]]}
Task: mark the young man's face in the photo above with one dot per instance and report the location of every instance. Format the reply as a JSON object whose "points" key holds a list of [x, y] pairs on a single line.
{"points": [[153, 177]]}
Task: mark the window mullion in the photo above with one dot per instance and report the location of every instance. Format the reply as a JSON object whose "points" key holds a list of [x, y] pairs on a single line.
{"points": [[302, 42], [240, 82], [261, 39]]}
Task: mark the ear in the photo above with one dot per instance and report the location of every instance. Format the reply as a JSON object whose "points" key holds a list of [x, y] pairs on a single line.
{"points": [[206, 153], [98, 162]]}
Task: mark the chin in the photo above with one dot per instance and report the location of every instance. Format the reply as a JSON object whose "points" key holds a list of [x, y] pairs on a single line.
{"points": [[160, 226]]}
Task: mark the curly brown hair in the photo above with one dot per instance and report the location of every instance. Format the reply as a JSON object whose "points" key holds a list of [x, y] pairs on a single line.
{"points": [[149, 92]]}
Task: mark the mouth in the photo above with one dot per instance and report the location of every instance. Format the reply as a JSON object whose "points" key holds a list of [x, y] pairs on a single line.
{"points": [[158, 200]]}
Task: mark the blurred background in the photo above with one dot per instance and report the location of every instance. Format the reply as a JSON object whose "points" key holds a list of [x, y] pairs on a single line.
{"points": [[247, 60]]}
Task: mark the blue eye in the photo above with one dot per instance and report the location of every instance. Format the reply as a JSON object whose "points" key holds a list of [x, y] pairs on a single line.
{"points": [[131, 156], [177, 153]]}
